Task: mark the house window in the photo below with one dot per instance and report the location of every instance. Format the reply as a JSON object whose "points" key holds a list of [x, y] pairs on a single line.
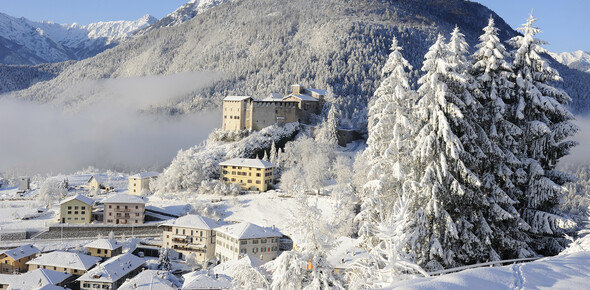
{"points": [[233, 179], [110, 213], [257, 181], [69, 207], [110, 206], [257, 174], [75, 207], [98, 251], [249, 180], [254, 241], [263, 241], [69, 212], [83, 212], [76, 212], [136, 207]]}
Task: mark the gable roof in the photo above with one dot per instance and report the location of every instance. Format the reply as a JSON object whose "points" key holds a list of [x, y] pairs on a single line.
{"points": [[97, 177], [113, 269], [248, 230], [256, 163], [230, 267], [149, 280], [147, 174], [124, 198], [107, 244], [21, 252], [236, 98], [66, 260], [38, 279], [87, 200], [203, 280], [194, 221]]}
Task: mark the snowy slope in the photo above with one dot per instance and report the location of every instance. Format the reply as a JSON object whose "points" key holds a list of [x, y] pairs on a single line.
{"points": [[27, 42], [579, 59]]}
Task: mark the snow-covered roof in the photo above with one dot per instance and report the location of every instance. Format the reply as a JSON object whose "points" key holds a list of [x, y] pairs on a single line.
{"points": [[107, 244], [147, 174], [113, 269], [302, 97], [203, 280], [124, 198], [248, 231], [317, 91], [149, 280], [194, 221], [229, 268], [236, 98], [82, 198], [97, 177], [66, 260], [21, 252], [256, 163], [37, 279]]}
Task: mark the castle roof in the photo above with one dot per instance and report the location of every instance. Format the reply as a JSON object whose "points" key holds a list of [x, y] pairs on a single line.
{"points": [[236, 98]]}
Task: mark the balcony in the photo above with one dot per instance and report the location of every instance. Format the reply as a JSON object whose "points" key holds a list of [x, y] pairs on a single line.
{"points": [[122, 209]]}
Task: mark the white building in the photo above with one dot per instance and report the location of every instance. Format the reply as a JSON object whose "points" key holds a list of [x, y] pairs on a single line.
{"points": [[140, 182], [201, 280], [191, 234], [237, 240], [66, 262], [112, 273], [124, 209], [151, 280], [37, 279]]}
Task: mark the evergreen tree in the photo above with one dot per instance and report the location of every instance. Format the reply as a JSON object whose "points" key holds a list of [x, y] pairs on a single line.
{"points": [[273, 154], [446, 200], [540, 111], [503, 235], [388, 145]]}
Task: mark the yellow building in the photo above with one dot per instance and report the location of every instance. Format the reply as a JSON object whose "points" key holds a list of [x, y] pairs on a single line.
{"points": [[95, 182], [14, 260], [140, 182], [249, 174], [104, 248], [191, 234], [76, 210]]}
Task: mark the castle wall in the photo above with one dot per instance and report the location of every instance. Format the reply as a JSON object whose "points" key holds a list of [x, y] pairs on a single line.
{"points": [[268, 113]]}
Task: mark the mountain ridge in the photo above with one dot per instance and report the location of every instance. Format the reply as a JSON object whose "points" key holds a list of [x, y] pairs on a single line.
{"points": [[26, 42]]}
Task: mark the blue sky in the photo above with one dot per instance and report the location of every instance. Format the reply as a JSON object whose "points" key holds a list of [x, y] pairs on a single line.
{"points": [[565, 23]]}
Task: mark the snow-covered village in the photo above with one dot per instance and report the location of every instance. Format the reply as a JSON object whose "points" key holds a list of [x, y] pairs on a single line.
{"points": [[325, 144]]}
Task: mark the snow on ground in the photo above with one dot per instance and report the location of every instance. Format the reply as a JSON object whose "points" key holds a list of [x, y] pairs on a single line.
{"points": [[11, 212], [565, 271]]}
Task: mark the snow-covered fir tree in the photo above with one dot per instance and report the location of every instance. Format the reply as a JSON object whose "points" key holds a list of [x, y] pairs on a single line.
{"points": [[329, 128], [540, 110], [388, 145], [445, 201], [497, 169]]}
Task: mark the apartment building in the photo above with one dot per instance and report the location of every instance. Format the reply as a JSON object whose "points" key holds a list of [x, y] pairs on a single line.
{"points": [[249, 174], [124, 209], [76, 210], [191, 234], [237, 240]]}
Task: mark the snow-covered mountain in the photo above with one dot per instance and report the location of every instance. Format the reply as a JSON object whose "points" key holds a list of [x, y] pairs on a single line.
{"points": [[184, 13], [28, 42], [579, 59]]}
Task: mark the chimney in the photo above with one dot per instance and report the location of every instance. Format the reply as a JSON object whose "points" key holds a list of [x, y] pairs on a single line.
{"points": [[297, 89], [274, 228]]}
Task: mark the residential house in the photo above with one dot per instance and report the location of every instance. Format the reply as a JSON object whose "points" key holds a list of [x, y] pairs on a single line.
{"points": [[104, 248], [24, 184], [37, 279], [124, 209], [66, 262], [140, 182], [95, 182], [15, 260], [201, 280], [237, 240], [191, 234], [112, 273], [249, 174], [152, 280], [76, 210]]}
